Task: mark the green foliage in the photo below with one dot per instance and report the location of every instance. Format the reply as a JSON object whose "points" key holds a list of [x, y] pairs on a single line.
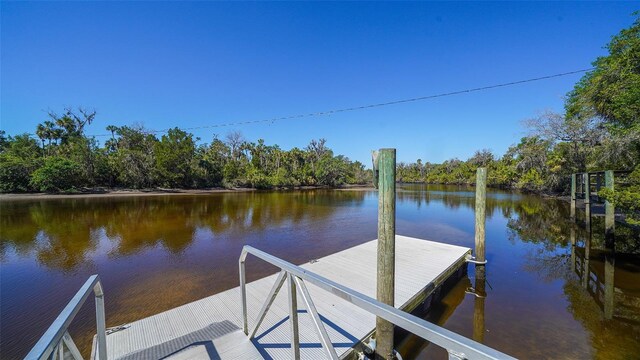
{"points": [[63, 159], [174, 155], [57, 174], [612, 92], [14, 175], [19, 157], [134, 159], [531, 180], [626, 198], [612, 89]]}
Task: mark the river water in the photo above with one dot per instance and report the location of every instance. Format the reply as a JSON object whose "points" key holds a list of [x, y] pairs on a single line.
{"points": [[154, 253]]}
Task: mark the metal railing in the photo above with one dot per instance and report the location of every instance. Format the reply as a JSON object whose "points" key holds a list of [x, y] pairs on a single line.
{"points": [[52, 344], [458, 346]]}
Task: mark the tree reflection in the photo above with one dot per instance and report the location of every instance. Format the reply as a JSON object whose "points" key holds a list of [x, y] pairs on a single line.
{"points": [[455, 197], [64, 234], [602, 286]]}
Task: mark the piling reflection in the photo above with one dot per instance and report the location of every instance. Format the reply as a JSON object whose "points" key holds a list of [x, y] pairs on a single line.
{"points": [[480, 294], [603, 284]]}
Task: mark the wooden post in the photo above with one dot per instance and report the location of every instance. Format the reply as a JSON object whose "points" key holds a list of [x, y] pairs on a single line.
{"points": [[481, 199], [598, 185], [478, 305], [609, 210], [386, 247], [587, 201], [573, 197]]}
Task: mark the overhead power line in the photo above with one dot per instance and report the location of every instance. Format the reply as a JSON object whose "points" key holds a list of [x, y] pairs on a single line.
{"points": [[362, 107]]}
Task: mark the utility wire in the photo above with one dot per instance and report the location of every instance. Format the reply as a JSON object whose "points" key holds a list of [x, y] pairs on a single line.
{"points": [[362, 107]]}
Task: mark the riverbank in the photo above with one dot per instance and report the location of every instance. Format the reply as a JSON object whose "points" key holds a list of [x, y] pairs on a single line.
{"points": [[100, 192]]}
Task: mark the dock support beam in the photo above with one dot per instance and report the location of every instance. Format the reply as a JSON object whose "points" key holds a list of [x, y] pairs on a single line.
{"points": [[386, 164], [573, 197]]}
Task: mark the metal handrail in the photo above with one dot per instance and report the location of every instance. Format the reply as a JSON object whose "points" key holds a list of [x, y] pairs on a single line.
{"points": [[57, 332], [458, 346]]}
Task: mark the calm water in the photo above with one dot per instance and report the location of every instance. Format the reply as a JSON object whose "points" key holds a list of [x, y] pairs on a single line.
{"points": [[155, 253]]}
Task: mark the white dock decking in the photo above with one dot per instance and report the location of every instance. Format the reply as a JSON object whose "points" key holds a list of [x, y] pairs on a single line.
{"points": [[210, 328]]}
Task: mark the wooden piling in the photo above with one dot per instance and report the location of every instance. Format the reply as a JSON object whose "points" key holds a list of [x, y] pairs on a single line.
{"points": [[386, 161], [478, 306], [587, 201], [609, 217], [481, 200], [573, 197]]}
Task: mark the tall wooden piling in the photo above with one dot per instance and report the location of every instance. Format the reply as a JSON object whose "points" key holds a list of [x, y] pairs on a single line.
{"points": [[386, 163], [478, 306], [573, 197], [481, 200], [609, 210]]}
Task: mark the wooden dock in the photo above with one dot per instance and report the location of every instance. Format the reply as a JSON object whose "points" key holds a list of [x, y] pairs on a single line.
{"points": [[211, 328]]}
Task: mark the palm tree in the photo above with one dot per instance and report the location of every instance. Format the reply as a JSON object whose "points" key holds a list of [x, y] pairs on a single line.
{"points": [[41, 132], [113, 130]]}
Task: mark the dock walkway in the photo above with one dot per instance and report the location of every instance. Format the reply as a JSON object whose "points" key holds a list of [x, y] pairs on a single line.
{"points": [[212, 327]]}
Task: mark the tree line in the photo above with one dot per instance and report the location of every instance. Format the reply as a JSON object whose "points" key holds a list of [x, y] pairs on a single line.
{"points": [[63, 158]]}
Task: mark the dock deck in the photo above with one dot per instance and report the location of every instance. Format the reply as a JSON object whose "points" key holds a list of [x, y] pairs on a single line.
{"points": [[212, 327]]}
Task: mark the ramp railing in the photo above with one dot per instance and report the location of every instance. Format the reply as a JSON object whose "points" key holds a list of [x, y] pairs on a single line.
{"points": [[458, 346], [54, 341]]}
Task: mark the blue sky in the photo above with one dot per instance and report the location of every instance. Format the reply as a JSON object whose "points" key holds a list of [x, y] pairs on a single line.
{"points": [[192, 64]]}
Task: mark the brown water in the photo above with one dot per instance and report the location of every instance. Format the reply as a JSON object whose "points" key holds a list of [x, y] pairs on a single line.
{"points": [[155, 253]]}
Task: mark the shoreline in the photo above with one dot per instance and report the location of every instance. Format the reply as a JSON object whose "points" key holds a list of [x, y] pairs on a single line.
{"points": [[104, 193]]}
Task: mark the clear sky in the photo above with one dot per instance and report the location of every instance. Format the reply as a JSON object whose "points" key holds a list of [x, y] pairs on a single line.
{"points": [[192, 64]]}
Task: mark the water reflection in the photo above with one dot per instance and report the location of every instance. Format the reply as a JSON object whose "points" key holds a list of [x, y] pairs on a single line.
{"points": [[603, 280], [63, 233], [553, 287], [598, 277]]}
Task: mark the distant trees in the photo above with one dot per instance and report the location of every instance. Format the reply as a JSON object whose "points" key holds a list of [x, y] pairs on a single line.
{"points": [[64, 159]]}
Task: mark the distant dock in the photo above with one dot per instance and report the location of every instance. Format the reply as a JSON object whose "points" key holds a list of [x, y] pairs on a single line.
{"points": [[212, 327]]}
